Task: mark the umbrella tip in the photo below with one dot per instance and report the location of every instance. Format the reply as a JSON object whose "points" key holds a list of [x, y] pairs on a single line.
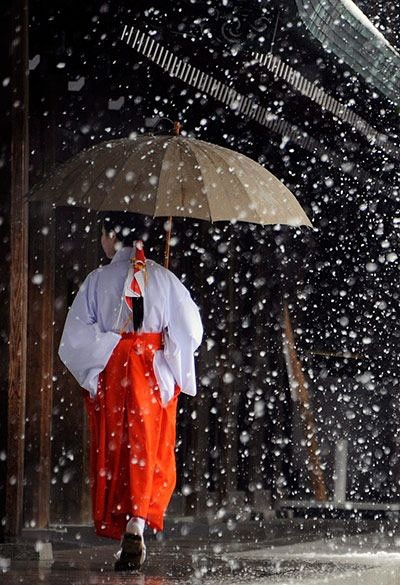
{"points": [[177, 128]]}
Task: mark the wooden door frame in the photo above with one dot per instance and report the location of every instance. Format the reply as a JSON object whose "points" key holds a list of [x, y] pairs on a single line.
{"points": [[19, 267]]}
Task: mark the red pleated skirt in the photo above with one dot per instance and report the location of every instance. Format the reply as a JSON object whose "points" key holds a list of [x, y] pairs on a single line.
{"points": [[132, 453]]}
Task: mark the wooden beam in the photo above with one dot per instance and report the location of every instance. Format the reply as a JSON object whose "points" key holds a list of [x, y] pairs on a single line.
{"points": [[19, 266], [299, 383]]}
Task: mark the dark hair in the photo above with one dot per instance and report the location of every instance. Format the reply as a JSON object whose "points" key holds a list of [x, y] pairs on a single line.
{"points": [[123, 224]]}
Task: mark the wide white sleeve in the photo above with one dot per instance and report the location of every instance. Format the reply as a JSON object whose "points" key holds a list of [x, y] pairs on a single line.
{"points": [[182, 337], [84, 348]]}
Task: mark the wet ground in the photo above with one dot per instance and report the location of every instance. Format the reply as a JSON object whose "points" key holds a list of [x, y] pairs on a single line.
{"points": [[280, 553]]}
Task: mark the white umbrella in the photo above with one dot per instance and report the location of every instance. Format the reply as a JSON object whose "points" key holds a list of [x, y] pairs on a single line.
{"points": [[172, 176]]}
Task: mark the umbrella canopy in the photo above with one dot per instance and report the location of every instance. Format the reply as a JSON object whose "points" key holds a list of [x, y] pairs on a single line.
{"points": [[172, 176]]}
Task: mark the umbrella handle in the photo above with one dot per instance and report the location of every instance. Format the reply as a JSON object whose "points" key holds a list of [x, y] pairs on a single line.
{"points": [[168, 243]]}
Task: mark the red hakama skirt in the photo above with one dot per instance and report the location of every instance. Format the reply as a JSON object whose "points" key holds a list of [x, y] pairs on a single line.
{"points": [[132, 449]]}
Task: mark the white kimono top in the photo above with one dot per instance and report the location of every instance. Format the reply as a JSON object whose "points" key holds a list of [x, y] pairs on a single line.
{"points": [[99, 311]]}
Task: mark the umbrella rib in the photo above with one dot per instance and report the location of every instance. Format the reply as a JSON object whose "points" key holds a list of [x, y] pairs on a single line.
{"points": [[180, 166], [173, 142], [250, 201], [276, 199], [58, 186], [215, 151], [104, 167], [170, 145], [168, 142], [63, 185], [135, 153], [202, 180]]}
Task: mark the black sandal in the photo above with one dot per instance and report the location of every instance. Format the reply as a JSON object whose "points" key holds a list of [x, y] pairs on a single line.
{"points": [[132, 554]]}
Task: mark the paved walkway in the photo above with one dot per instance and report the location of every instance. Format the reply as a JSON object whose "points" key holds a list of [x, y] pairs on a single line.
{"points": [[281, 552]]}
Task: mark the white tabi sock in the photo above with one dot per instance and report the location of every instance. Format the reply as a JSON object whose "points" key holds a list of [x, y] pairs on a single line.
{"points": [[136, 526]]}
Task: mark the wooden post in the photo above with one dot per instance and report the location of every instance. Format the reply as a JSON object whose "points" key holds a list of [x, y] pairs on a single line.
{"points": [[39, 403], [19, 261], [298, 381], [39, 367], [46, 376]]}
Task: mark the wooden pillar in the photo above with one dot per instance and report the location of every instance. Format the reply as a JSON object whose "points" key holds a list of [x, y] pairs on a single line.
{"points": [[46, 368], [19, 262], [39, 367], [300, 389], [39, 397]]}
